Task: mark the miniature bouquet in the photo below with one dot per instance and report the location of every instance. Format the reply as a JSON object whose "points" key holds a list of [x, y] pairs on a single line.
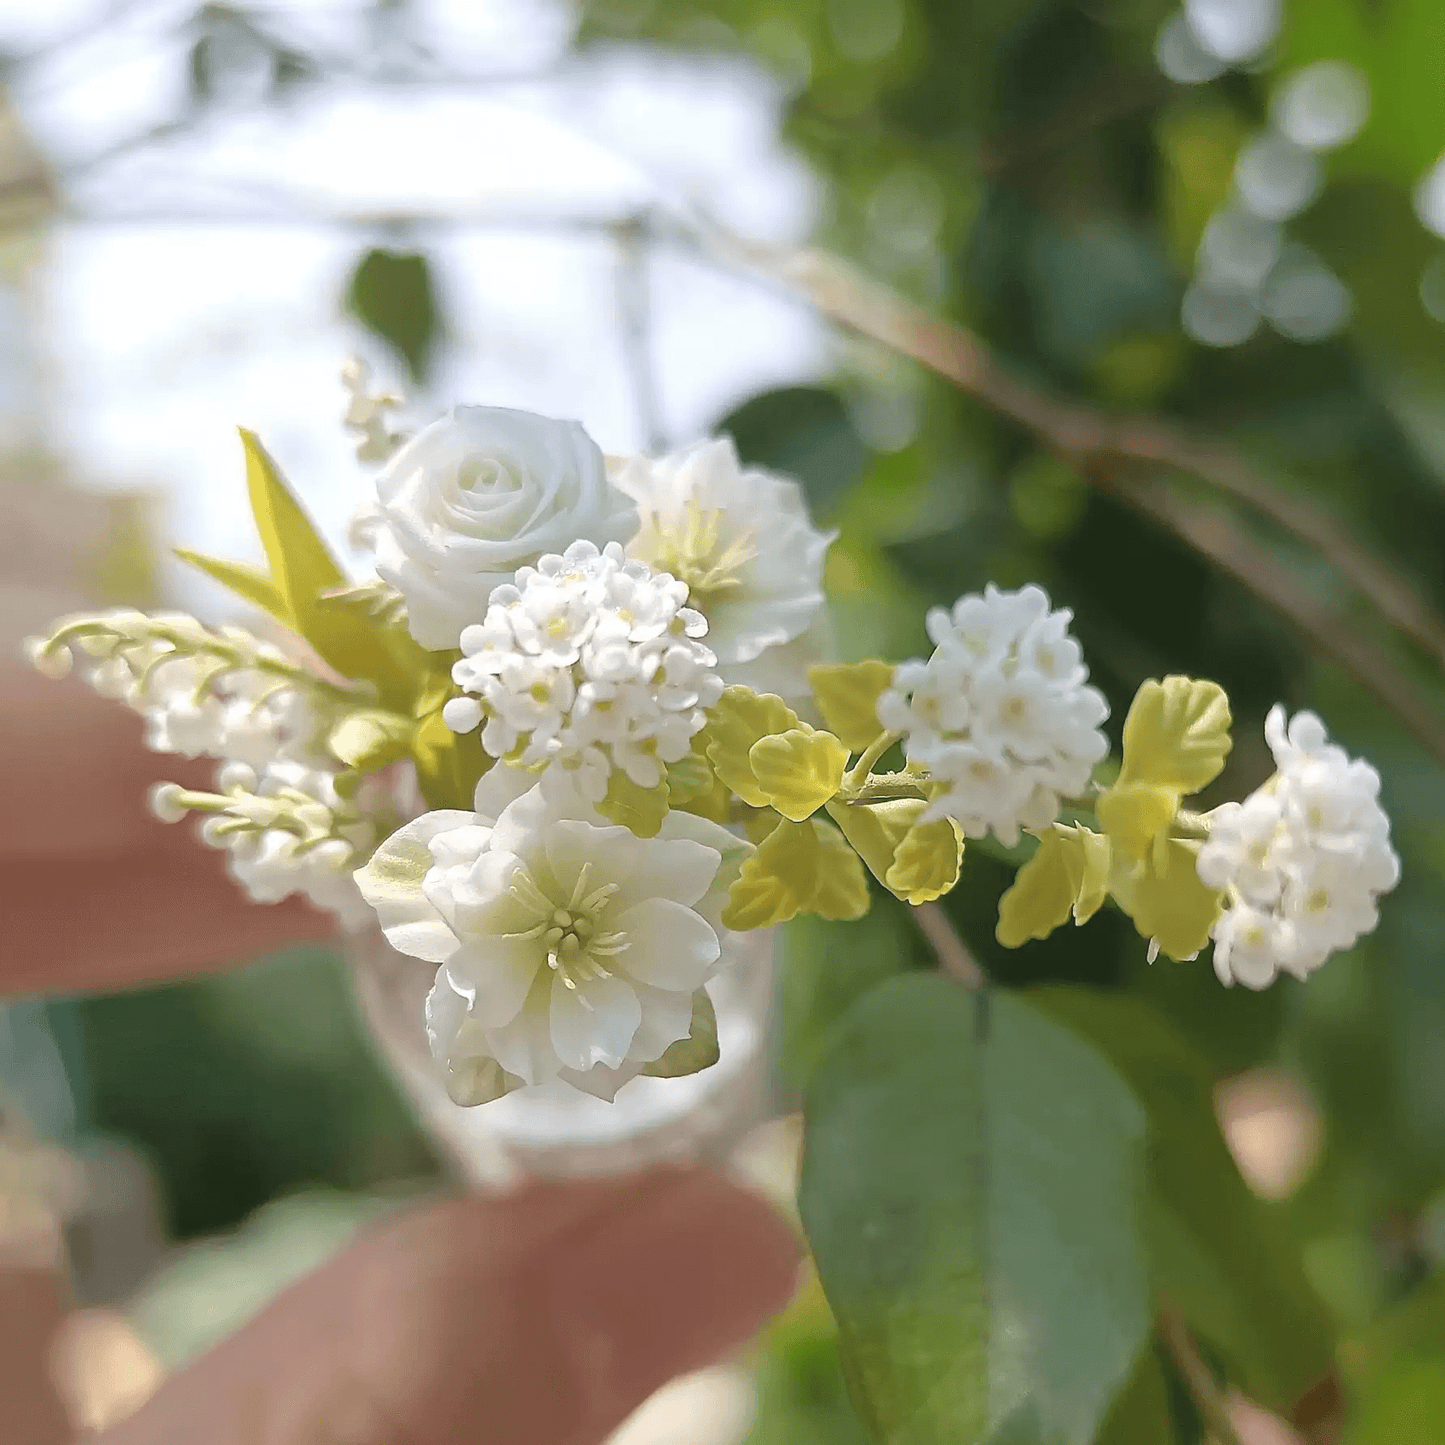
{"points": [[578, 731]]}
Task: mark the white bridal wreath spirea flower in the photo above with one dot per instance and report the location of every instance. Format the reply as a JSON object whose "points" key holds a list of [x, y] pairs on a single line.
{"points": [[1001, 712], [551, 751], [1303, 859]]}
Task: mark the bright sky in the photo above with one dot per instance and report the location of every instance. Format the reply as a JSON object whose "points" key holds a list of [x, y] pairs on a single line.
{"points": [[162, 330]]}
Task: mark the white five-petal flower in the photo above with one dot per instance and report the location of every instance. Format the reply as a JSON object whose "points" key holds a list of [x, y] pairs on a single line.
{"points": [[568, 948], [743, 542]]}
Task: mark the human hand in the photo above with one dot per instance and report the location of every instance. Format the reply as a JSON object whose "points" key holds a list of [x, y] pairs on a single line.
{"points": [[544, 1316]]}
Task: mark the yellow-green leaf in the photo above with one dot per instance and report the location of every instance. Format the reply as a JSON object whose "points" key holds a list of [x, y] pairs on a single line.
{"points": [[302, 569], [244, 580], [778, 881], [798, 868], [640, 809], [369, 739], [698, 1051], [1041, 895], [448, 765], [1176, 734], [798, 771], [689, 777], [876, 829], [1089, 865], [1134, 814], [739, 719], [1165, 898], [927, 862], [841, 888], [847, 696]]}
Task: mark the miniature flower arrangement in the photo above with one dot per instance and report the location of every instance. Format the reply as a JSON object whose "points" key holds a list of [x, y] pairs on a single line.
{"points": [[578, 731]]}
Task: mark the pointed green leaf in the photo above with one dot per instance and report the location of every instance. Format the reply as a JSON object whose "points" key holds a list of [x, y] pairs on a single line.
{"points": [[448, 765], [777, 882], [1176, 734], [303, 569], [736, 722], [369, 739], [847, 696], [474, 1081], [251, 583], [640, 809], [971, 1190], [697, 1051], [798, 771], [1226, 1257]]}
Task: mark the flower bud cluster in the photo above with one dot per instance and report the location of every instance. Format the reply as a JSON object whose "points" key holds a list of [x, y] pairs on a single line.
{"points": [[1303, 859], [1001, 714], [589, 660]]}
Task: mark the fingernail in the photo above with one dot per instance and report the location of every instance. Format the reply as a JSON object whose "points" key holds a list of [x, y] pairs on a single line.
{"points": [[665, 1284]]}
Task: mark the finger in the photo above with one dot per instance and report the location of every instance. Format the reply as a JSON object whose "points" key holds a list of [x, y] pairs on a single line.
{"points": [[30, 1311], [540, 1319], [94, 892]]}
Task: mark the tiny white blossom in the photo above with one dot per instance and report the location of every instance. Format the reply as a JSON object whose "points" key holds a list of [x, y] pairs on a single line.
{"points": [[1303, 859], [476, 495], [568, 948], [592, 661], [743, 542], [1000, 714]]}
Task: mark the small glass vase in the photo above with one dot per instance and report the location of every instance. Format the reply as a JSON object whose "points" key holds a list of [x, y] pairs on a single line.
{"points": [[553, 1131]]}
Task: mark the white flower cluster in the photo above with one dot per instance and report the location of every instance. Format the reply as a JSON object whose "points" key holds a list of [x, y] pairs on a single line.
{"points": [[227, 695], [287, 830], [567, 947], [589, 660], [1304, 858], [1000, 714]]}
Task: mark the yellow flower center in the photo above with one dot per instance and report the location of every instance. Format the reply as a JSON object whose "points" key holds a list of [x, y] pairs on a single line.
{"points": [[691, 548]]}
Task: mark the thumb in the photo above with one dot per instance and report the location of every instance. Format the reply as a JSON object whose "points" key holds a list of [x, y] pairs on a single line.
{"points": [[542, 1318]]}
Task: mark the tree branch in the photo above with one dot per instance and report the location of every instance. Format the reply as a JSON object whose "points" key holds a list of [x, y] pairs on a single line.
{"points": [[952, 952], [1198, 1379]]}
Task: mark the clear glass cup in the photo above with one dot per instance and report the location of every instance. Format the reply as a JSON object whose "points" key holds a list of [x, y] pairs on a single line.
{"points": [[555, 1131]]}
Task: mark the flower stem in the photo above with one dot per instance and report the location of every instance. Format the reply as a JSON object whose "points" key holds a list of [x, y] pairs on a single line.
{"points": [[1198, 1379], [951, 951], [858, 774]]}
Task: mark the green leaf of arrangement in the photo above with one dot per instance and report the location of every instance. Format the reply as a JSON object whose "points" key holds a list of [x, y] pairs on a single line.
{"points": [[470, 1082], [847, 697], [1176, 738], [916, 861], [448, 765], [1164, 896], [798, 771], [303, 569], [370, 738], [804, 867], [1224, 1255], [640, 809], [1176, 734], [737, 721], [927, 862], [1069, 873], [971, 1189], [697, 1051], [841, 886], [248, 582]]}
